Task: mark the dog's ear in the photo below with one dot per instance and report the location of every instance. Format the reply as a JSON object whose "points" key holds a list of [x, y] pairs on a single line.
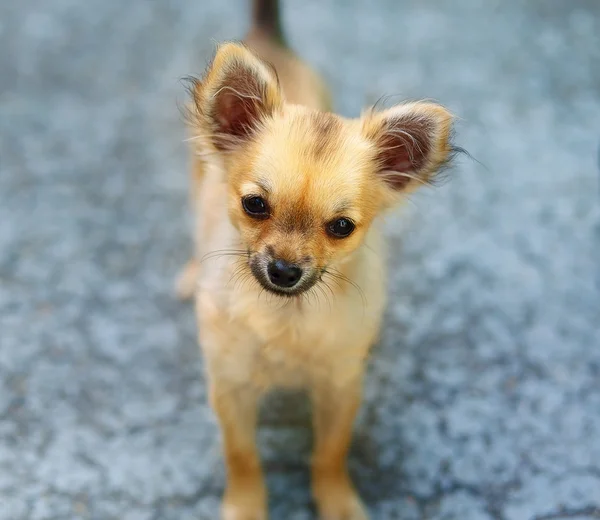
{"points": [[238, 92], [412, 142]]}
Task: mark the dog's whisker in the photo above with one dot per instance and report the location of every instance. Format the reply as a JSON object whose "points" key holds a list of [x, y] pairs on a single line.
{"points": [[325, 295], [237, 273], [223, 252], [335, 274]]}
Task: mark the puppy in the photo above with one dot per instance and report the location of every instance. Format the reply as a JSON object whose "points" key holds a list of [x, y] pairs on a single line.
{"points": [[287, 275]]}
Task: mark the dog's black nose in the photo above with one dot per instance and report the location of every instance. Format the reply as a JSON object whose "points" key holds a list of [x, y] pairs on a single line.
{"points": [[283, 274]]}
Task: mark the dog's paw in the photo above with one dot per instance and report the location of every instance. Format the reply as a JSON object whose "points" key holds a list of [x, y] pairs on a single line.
{"points": [[349, 508], [185, 284], [245, 511], [232, 512], [339, 501], [245, 503]]}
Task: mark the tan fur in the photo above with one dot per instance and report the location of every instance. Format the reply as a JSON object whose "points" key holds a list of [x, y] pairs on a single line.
{"points": [[312, 167]]}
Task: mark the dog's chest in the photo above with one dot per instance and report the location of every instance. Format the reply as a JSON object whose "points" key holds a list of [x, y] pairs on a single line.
{"points": [[294, 347], [294, 358]]}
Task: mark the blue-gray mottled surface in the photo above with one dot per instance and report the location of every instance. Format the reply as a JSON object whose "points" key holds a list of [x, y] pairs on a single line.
{"points": [[483, 399]]}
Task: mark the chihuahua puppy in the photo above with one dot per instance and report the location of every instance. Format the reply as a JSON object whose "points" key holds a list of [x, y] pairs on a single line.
{"points": [[287, 275]]}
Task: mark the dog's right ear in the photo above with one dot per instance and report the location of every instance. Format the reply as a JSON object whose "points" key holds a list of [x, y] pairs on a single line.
{"points": [[237, 94]]}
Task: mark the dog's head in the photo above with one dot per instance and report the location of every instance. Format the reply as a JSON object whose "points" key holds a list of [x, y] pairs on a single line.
{"points": [[304, 186]]}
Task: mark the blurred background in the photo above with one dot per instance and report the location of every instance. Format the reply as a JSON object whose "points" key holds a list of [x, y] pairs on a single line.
{"points": [[483, 399]]}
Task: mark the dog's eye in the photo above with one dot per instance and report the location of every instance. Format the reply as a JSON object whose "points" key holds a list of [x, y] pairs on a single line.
{"points": [[255, 206], [340, 228]]}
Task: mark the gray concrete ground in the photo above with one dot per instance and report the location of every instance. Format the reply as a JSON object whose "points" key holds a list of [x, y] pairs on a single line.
{"points": [[483, 399]]}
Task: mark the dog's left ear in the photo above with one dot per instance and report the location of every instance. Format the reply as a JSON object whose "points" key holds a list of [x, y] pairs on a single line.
{"points": [[411, 142]]}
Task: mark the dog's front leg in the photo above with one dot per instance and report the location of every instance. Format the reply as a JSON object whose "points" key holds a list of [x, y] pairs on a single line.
{"points": [[335, 404], [235, 401], [236, 408]]}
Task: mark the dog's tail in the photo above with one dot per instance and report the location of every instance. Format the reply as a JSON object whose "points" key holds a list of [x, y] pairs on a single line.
{"points": [[267, 19]]}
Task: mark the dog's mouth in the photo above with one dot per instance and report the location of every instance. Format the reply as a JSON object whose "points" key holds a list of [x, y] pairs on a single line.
{"points": [[259, 266]]}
